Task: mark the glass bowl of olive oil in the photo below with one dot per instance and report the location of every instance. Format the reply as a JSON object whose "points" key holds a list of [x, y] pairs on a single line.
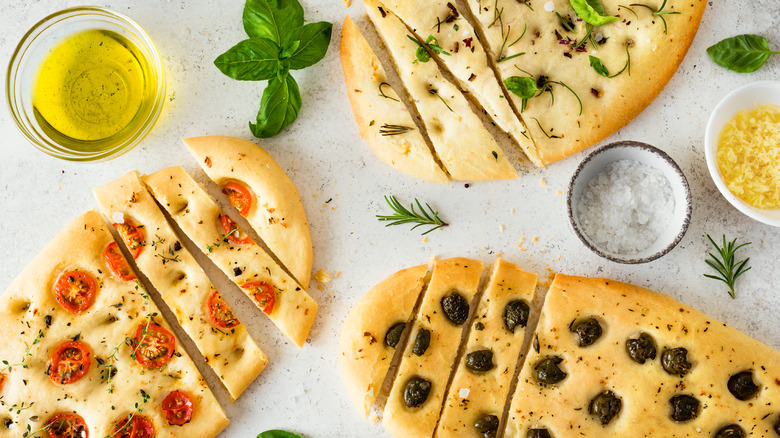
{"points": [[85, 84]]}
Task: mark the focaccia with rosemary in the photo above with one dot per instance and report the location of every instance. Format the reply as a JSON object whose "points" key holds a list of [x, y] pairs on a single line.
{"points": [[199, 308], [252, 269], [651, 367], [382, 119], [260, 190], [89, 349], [464, 146], [478, 392], [419, 389], [373, 331]]}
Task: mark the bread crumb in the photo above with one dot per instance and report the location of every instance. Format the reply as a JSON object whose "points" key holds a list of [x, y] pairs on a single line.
{"points": [[425, 239], [336, 275], [559, 192], [322, 276], [347, 3], [501, 228], [512, 211], [314, 195], [542, 182], [320, 287], [536, 239]]}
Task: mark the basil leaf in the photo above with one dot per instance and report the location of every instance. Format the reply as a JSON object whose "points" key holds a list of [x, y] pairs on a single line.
{"points": [[277, 434], [254, 59], [592, 12], [523, 87], [313, 40], [278, 108], [272, 19], [742, 53], [598, 66]]}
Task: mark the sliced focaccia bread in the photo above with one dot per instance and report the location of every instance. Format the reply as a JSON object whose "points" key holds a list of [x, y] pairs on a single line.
{"points": [[260, 190], [276, 293], [612, 359], [382, 119], [418, 391], [199, 308], [479, 389], [88, 352], [440, 22], [462, 143], [373, 330]]}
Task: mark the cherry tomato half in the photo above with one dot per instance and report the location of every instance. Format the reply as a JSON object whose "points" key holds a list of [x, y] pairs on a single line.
{"points": [[2, 381], [220, 313], [154, 348], [69, 363], [233, 232], [177, 408], [117, 262], [75, 291], [140, 427], [67, 426], [239, 196], [133, 237], [263, 294]]}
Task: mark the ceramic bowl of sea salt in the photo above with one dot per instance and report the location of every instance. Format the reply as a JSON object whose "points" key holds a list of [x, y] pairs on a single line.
{"points": [[629, 202]]}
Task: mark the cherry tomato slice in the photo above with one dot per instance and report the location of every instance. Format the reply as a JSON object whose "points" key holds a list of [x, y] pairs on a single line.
{"points": [[117, 262], [155, 348], [133, 237], [2, 381], [140, 427], [177, 408], [239, 196], [263, 294], [67, 426], [220, 313], [69, 363], [75, 291], [233, 232]]}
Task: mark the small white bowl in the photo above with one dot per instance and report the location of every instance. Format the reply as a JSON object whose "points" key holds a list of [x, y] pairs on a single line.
{"points": [[744, 98], [597, 162]]}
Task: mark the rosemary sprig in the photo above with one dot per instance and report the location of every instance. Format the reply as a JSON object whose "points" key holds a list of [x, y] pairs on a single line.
{"points": [[658, 13], [436, 93], [10, 367], [724, 263], [382, 93], [404, 216], [138, 410], [387, 130]]}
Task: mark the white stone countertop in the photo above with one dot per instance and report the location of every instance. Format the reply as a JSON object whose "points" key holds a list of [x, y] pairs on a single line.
{"points": [[342, 184]]}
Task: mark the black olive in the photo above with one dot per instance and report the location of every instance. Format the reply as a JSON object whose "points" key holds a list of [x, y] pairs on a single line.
{"points": [[516, 314], [479, 326], [547, 370], [777, 426], [481, 360], [538, 433], [588, 331], [741, 385], [416, 391], [393, 335], [422, 342], [487, 426], [641, 348], [47, 320], [675, 361], [605, 406], [730, 431], [456, 308], [684, 407]]}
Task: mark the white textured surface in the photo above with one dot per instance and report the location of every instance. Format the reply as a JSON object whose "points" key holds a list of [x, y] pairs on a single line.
{"points": [[322, 153]]}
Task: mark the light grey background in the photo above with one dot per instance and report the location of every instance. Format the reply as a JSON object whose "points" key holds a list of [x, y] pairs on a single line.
{"points": [[301, 390]]}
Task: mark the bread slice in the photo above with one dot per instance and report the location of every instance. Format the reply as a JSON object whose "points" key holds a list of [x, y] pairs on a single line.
{"points": [[246, 264], [382, 119], [464, 146], [230, 351]]}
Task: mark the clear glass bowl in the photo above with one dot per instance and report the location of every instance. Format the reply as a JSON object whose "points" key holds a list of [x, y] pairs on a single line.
{"points": [[37, 44]]}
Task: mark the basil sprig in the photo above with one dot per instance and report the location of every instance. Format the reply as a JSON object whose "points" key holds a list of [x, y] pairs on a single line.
{"points": [[278, 42], [742, 53], [592, 12]]}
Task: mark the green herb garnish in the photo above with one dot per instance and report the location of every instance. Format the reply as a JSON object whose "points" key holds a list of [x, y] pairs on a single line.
{"points": [[528, 88], [278, 42], [278, 434], [728, 269], [602, 69], [387, 130], [742, 53], [657, 12], [592, 12], [138, 410], [10, 367], [405, 216], [421, 54]]}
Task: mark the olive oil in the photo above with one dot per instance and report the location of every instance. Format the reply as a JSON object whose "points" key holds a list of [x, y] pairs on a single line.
{"points": [[90, 89]]}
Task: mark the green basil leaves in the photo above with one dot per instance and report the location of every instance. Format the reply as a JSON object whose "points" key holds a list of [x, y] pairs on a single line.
{"points": [[592, 12], [601, 69], [742, 53], [523, 86], [421, 54], [278, 42], [277, 434]]}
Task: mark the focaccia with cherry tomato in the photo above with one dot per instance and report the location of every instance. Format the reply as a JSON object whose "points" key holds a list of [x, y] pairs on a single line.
{"points": [[86, 352], [199, 308]]}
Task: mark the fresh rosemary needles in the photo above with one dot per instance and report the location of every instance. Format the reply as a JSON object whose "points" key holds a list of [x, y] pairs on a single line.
{"points": [[405, 216], [725, 264]]}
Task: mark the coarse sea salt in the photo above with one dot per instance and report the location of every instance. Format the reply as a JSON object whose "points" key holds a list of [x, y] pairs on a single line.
{"points": [[625, 208]]}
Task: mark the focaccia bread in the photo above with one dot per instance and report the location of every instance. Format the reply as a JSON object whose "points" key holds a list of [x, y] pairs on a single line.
{"points": [[382, 119], [199, 308], [652, 367], [87, 349], [268, 286], [260, 190]]}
